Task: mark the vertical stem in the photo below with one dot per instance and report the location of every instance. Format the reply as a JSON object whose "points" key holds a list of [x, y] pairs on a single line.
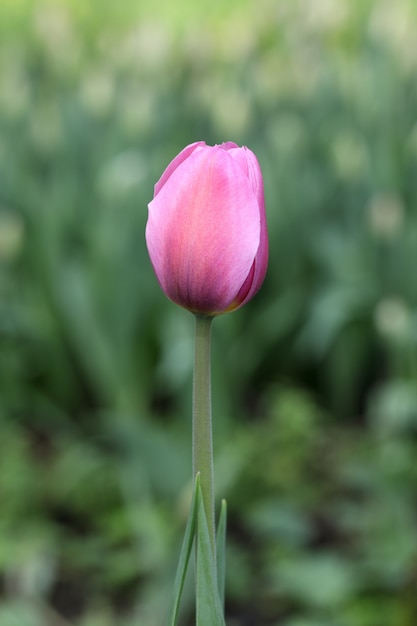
{"points": [[202, 429]]}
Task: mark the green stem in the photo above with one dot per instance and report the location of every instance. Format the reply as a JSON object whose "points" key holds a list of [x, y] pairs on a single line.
{"points": [[202, 430]]}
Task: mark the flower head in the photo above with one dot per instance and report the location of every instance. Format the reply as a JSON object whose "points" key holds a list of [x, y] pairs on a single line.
{"points": [[206, 232]]}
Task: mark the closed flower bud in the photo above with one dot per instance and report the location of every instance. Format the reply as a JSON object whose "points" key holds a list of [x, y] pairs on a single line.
{"points": [[206, 232]]}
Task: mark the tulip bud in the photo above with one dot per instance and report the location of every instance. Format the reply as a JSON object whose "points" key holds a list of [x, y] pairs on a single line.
{"points": [[206, 231]]}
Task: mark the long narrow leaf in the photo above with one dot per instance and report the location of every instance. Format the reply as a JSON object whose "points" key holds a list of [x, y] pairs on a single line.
{"points": [[221, 551], [186, 548], [209, 607]]}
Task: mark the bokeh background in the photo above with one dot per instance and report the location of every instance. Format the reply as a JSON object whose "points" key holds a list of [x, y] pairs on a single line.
{"points": [[314, 381]]}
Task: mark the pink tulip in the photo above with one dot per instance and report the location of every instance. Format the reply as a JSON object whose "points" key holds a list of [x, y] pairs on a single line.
{"points": [[206, 232]]}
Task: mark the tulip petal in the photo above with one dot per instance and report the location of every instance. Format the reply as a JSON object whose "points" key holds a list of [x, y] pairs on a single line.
{"points": [[204, 229], [250, 164], [182, 156]]}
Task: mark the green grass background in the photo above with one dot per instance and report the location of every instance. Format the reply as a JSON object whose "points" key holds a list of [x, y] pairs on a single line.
{"points": [[314, 381]]}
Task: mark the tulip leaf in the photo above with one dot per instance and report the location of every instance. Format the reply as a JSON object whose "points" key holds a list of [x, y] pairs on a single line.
{"points": [[221, 551], [186, 548], [209, 606]]}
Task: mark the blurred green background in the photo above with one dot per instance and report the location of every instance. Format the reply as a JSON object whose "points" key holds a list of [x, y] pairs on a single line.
{"points": [[314, 381]]}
